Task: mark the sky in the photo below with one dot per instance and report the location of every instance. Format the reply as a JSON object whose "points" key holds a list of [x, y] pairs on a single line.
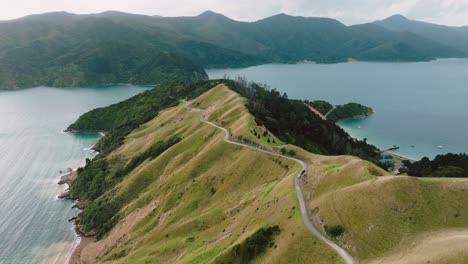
{"points": [[449, 12]]}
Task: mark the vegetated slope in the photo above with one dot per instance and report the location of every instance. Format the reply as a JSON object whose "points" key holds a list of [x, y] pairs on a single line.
{"points": [[456, 37], [322, 106], [293, 122], [201, 200], [283, 38], [389, 219], [61, 49], [121, 118], [348, 111], [400, 46], [176, 192], [448, 165]]}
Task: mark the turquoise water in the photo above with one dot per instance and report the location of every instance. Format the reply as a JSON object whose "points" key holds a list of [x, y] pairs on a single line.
{"points": [[33, 150], [423, 104]]}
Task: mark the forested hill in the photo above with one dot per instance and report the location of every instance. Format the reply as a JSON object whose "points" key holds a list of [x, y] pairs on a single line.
{"points": [[62, 49], [456, 37]]}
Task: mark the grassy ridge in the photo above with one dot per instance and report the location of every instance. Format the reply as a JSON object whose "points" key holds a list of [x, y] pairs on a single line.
{"points": [[121, 118], [204, 199]]}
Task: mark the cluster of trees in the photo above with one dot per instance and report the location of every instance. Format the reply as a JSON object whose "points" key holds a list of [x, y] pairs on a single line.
{"points": [[322, 106], [289, 152], [93, 180], [252, 247], [448, 165], [122, 118], [348, 111], [292, 122]]}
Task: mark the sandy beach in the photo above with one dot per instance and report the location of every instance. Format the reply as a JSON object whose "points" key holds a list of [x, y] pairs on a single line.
{"points": [[76, 254]]}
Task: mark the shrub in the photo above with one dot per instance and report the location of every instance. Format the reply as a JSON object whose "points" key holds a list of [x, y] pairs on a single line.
{"points": [[334, 230], [253, 246]]}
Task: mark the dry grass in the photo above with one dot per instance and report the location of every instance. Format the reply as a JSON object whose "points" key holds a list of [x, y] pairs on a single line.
{"points": [[383, 214], [448, 246]]}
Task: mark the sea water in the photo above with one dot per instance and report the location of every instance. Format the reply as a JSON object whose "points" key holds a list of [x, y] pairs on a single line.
{"points": [[33, 151], [422, 107]]}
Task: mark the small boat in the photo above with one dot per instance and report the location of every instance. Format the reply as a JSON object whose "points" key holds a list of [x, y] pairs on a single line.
{"points": [[412, 146], [440, 147]]}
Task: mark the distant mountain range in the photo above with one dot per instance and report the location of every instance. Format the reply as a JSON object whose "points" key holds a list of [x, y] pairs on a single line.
{"points": [[62, 49], [455, 37]]}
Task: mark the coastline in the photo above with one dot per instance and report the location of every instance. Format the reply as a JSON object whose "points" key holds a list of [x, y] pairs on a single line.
{"points": [[81, 240], [353, 118], [391, 153], [101, 133], [75, 255], [399, 156]]}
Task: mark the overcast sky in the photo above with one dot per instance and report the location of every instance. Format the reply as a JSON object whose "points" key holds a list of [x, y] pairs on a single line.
{"points": [[451, 12]]}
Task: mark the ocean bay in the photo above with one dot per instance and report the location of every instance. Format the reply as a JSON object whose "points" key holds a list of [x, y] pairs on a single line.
{"points": [[421, 104]]}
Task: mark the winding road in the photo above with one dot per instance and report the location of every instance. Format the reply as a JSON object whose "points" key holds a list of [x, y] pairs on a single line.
{"points": [[302, 205]]}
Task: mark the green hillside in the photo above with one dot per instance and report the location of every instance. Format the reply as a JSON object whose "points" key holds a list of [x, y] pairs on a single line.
{"points": [[173, 191], [198, 199], [65, 50], [456, 37], [290, 121], [121, 118], [389, 219]]}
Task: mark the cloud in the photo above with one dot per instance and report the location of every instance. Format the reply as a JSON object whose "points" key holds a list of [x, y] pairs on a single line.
{"points": [[452, 12]]}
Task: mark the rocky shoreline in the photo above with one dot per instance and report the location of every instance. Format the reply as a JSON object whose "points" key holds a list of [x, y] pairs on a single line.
{"points": [[84, 238], [67, 179]]}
